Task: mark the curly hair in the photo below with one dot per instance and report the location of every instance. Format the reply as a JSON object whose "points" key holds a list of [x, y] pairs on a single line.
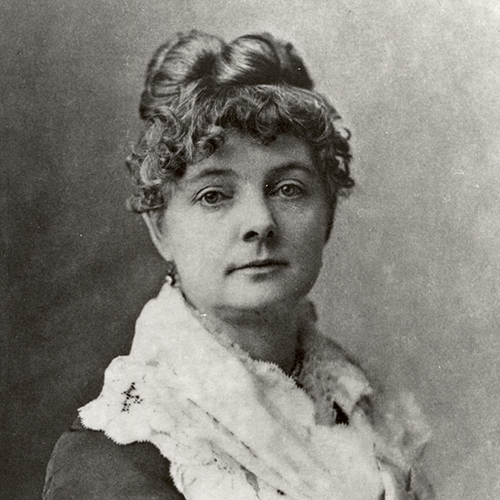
{"points": [[198, 88]]}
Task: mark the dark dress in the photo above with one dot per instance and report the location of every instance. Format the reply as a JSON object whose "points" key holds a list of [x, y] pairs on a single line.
{"points": [[87, 465]]}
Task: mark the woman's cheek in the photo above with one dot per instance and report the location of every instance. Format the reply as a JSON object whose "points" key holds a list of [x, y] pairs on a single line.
{"points": [[311, 227]]}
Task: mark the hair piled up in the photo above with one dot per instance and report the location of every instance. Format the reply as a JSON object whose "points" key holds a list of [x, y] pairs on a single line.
{"points": [[198, 87]]}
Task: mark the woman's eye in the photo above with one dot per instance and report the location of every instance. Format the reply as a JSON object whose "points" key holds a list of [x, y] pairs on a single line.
{"points": [[289, 190], [211, 198]]}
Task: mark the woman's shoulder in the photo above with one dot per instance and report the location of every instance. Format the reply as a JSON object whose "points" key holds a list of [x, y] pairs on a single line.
{"points": [[86, 464], [394, 414], [331, 375]]}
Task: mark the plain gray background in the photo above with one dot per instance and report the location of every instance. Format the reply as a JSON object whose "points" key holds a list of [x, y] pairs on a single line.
{"points": [[411, 277]]}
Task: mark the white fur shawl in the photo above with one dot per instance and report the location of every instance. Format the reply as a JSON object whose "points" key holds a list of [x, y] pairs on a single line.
{"points": [[235, 428]]}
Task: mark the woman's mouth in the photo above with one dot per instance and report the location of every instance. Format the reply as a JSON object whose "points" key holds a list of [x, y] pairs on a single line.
{"points": [[258, 266]]}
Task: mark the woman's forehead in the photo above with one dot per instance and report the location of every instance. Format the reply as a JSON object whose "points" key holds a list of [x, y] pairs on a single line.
{"points": [[240, 152]]}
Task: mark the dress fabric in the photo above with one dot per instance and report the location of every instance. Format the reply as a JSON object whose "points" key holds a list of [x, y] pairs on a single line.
{"points": [[230, 427], [87, 465]]}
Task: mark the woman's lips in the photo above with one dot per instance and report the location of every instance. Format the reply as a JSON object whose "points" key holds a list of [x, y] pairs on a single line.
{"points": [[256, 266]]}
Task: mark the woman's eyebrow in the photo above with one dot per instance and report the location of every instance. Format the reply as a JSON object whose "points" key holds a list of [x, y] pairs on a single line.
{"points": [[212, 172], [308, 168], [279, 169]]}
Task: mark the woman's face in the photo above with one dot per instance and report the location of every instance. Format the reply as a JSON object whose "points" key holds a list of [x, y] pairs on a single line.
{"points": [[246, 227]]}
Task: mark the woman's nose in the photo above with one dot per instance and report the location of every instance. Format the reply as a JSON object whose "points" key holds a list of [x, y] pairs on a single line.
{"points": [[258, 221]]}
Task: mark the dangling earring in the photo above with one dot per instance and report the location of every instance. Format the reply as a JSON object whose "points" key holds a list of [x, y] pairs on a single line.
{"points": [[171, 278]]}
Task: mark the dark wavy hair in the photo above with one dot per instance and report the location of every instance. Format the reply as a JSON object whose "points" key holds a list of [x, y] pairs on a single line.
{"points": [[198, 88]]}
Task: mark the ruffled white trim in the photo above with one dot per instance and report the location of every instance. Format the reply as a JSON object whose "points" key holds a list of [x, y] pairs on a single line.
{"points": [[233, 427]]}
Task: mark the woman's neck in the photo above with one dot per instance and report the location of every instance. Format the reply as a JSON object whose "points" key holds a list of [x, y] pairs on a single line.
{"points": [[265, 335]]}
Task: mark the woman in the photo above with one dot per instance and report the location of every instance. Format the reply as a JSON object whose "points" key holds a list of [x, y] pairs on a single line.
{"points": [[228, 386]]}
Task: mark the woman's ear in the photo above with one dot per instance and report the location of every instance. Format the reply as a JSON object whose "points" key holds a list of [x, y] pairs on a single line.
{"points": [[153, 222]]}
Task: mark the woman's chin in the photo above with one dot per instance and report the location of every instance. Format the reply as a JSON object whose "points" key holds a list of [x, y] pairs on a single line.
{"points": [[262, 296], [249, 294]]}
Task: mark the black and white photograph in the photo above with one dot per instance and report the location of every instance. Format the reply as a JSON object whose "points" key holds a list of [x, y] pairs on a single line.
{"points": [[250, 249]]}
